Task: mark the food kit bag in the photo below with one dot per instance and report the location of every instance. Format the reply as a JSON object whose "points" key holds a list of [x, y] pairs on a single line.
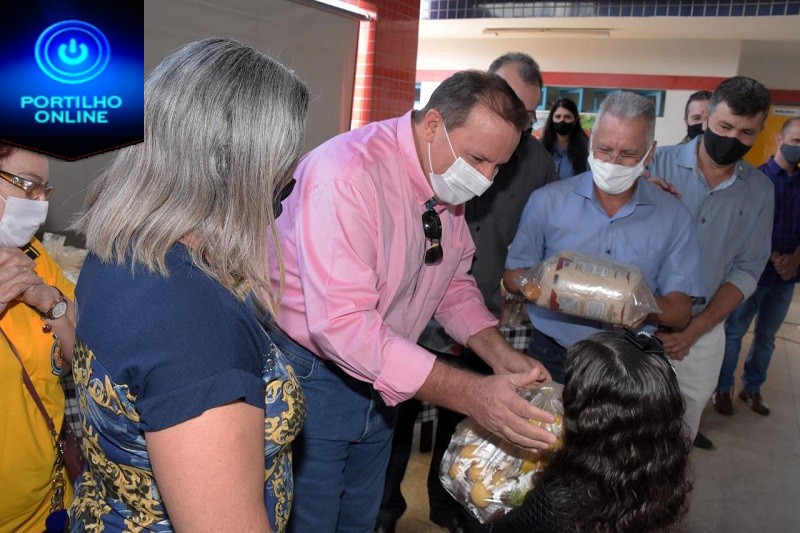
{"points": [[590, 287], [69, 258], [487, 474]]}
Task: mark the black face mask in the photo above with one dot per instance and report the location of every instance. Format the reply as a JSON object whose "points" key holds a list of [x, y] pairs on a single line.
{"points": [[563, 128], [723, 150], [282, 195], [694, 130], [791, 154]]}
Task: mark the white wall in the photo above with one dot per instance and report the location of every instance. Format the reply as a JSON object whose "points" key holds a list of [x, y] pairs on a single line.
{"points": [[712, 58], [681, 57]]}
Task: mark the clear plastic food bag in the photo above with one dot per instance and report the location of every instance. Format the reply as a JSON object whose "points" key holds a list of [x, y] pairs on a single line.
{"points": [[488, 475], [590, 287], [69, 258]]}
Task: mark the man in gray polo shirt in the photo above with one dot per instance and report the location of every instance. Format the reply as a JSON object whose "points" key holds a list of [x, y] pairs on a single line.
{"points": [[732, 207]]}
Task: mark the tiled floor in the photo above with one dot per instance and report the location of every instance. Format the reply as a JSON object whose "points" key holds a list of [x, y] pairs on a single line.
{"points": [[751, 482]]}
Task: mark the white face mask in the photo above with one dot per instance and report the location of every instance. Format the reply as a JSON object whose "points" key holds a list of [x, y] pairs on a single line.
{"points": [[21, 219], [612, 178], [460, 182]]}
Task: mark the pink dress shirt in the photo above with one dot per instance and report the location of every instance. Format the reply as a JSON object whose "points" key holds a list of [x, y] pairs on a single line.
{"points": [[357, 291]]}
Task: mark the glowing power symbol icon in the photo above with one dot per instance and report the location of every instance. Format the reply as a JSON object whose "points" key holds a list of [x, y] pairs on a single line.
{"points": [[72, 51], [71, 59]]}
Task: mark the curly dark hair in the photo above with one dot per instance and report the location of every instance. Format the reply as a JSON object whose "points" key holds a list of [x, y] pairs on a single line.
{"points": [[625, 451], [577, 150]]}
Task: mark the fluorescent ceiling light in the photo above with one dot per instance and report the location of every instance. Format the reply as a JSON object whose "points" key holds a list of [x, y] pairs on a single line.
{"points": [[544, 32], [341, 7]]}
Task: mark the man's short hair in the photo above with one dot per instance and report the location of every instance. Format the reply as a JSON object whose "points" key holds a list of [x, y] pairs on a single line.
{"points": [[527, 68], [629, 106], [698, 96], [787, 124], [455, 97], [744, 96]]}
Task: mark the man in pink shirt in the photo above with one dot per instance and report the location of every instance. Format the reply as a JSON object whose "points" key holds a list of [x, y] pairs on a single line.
{"points": [[374, 244]]}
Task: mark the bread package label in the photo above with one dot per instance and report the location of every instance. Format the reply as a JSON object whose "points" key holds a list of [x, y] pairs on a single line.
{"points": [[590, 287]]}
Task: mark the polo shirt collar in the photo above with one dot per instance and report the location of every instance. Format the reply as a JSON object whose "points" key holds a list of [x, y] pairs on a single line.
{"points": [[687, 158], [776, 170]]}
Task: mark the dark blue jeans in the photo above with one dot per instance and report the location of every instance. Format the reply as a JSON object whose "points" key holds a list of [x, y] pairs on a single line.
{"points": [[341, 454], [443, 507], [768, 305], [548, 352]]}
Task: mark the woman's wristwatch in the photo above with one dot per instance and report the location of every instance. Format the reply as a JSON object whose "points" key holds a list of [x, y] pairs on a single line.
{"points": [[57, 309]]}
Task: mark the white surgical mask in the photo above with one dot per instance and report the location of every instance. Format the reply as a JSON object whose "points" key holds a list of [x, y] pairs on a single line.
{"points": [[612, 178], [21, 219], [459, 183]]}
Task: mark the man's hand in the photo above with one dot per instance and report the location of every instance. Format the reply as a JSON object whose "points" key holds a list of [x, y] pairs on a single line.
{"points": [[785, 264], [678, 343], [493, 401], [511, 361], [494, 349], [497, 405], [16, 276], [670, 188]]}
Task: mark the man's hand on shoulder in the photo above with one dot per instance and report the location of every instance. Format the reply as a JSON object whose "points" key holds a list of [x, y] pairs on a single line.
{"points": [[661, 182]]}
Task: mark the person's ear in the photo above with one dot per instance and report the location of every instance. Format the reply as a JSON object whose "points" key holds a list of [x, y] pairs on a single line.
{"points": [[431, 122]]}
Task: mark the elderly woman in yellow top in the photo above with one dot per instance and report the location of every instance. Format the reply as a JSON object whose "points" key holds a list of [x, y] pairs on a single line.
{"points": [[37, 320]]}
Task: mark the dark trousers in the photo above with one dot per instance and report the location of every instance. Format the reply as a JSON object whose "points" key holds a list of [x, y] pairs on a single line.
{"points": [[548, 352], [442, 505]]}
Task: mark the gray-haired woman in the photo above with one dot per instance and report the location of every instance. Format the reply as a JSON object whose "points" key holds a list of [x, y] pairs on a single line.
{"points": [[188, 408]]}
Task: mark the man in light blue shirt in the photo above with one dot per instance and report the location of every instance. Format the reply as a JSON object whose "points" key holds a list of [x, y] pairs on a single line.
{"points": [[610, 213], [732, 208]]}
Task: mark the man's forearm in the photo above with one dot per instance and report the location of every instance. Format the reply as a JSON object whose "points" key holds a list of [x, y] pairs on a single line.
{"points": [[676, 310], [488, 344], [449, 387], [727, 298]]}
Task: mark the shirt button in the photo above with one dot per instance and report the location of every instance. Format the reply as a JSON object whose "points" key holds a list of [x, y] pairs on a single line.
{"points": [[702, 221], [477, 228], [608, 251]]}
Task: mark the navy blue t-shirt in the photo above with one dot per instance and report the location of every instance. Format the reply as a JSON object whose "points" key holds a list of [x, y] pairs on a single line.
{"points": [[153, 351]]}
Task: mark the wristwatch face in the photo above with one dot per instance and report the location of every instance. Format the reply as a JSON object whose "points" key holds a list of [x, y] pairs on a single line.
{"points": [[58, 310]]}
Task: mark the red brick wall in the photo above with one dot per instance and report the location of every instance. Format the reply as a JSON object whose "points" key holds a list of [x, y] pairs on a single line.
{"points": [[387, 61]]}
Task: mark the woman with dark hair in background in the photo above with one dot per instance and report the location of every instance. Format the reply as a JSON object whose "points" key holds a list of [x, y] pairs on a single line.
{"points": [[188, 407], [623, 464], [565, 139]]}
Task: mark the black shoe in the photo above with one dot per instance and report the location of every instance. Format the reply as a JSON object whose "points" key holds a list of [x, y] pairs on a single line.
{"points": [[386, 524], [702, 442], [722, 402], [755, 401], [453, 524]]}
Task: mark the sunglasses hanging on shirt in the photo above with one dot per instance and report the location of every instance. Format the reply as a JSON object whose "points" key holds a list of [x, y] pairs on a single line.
{"points": [[432, 226]]}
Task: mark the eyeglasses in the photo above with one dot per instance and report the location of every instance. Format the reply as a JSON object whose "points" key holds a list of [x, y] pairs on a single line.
{"points": [[628, 160], [432, 226], [34, 190], [649, 344]]}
